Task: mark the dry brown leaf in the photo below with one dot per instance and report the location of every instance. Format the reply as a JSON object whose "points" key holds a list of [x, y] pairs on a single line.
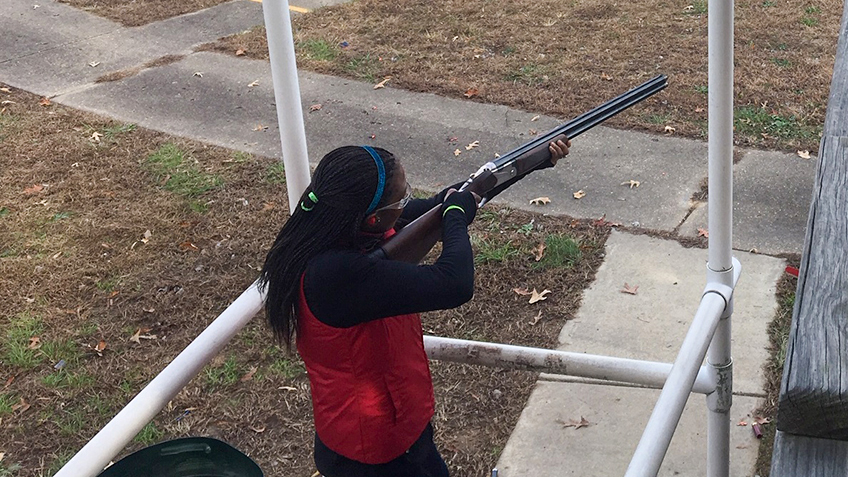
{"points": [[33, 189], [631, 183], [703, 233], [804, 154], [573, 423], [268, 206], [138, 336], [472, 145], [2, 456], [198, 74], [316, 107], [188, 246], [149, 310], [6, 90], [539, 251], [540, 201], [533, 132], [382, 84], [630, 290], [260, 127], [536, 318], [9, 381], [762, 420], [21, 406], [579, 194], [742, 423], [95, 137], [471, 93], [101, 345], [669, 130], [535, 118], [605, 76], [239, 52], [253, 83], [94, 64], [457, 152], [536, 296], [45, 101], [34, 342], [249, 374], [257, 430], [521, 291]]}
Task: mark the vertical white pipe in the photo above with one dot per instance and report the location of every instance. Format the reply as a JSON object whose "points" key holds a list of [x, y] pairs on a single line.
{"points": [[657, 435], [110, 441], [287, 96], [720, 264]]}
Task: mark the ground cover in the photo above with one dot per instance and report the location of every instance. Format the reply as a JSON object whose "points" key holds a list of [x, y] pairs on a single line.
{"points": [[562, 58], [118, 245], [140, 12]]}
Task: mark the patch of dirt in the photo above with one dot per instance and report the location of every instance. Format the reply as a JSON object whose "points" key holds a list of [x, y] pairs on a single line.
{"points": [[96, 251], [564, 58], [141, 12], [126, 73]]}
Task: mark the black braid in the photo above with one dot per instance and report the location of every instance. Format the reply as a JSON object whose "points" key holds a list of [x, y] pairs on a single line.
{"points": [[344, 182]]}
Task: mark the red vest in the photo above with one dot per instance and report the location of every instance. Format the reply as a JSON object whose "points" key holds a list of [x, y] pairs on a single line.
{"points": [[372, 395]]}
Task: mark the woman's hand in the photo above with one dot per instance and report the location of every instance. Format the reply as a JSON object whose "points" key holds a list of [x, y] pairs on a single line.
{"points": [[559, 149]]}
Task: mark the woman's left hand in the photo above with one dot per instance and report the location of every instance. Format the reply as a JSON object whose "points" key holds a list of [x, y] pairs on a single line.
{"points": [[559, 149]]}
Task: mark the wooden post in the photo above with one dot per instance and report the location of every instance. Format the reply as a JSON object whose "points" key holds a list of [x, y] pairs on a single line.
{"points": [[814, 391]]}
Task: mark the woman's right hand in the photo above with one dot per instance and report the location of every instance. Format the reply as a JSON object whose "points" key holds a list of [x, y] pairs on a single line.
{"points": [[465, 202]]}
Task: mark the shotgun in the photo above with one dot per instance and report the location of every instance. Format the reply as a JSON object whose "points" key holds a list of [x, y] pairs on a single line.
{"points": [[416, 239]]}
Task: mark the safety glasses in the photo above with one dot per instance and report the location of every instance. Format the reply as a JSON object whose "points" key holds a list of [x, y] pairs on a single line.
{"points": [[401, 203]]}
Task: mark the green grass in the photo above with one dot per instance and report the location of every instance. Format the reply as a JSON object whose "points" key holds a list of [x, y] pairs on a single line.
{"points": [[59, 461], [7, 400], [561, 251], [490, 251], [364, 67], [659, 118], [702, 89], [782, 62], [812, 10], [224, 375], [56, 350], [10, 470], [71, 422], [809, 21], [276, 173], [699, 7], [530, 75], [60, 216], [198, 206], [240, 157], [66, 379], [320, 50], [489, 218], [287, 368], [756, 121], [108, 285], [526, 229], [15, 344], [112, 131], [768, 3], [148, 435], [4, 212], [174, 166]]}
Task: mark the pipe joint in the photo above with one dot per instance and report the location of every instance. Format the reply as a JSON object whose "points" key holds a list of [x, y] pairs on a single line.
{"points": [[721, 399], [725, 292]]}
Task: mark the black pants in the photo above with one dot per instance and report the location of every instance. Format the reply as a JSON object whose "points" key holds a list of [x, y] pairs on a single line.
{"points": [[421, 460]]}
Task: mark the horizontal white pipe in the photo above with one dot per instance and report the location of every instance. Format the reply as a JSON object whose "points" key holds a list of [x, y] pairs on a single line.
{"points": [[657, 435], [646, 373], [107, 443]]}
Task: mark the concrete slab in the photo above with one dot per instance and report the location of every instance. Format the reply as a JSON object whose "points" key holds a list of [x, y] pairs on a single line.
{"points": [[541, 447], [652, 324], [772, 192], [54, 46], [221, 108]]}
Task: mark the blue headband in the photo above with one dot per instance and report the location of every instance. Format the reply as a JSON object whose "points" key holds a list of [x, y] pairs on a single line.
{"points": [[381, 179]]}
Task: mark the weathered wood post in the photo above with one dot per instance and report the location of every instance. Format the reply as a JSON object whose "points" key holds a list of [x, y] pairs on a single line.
{"points": [[812, 417]]}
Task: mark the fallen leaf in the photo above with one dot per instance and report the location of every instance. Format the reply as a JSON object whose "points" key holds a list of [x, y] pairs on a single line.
{"points": [[267, 206], [632, 183], [57, 255], [575, 424], [138, 336], [804, 154], [45, 101], [762, 420], [579, 194], [239, 52], [149, 310], [668, 130], [532, 132], [472, 145], [4, 103], [457, 152], [741, 446], [453, 139], [540, 201], [471, 93], [249, 374], [21, 406], [146, 237], [605, 76], [260, 127], [316, 107], [287, 388], [535, 118], [34, 342], [94, 64], [742, 423], [187, 245], [9, 381], [703, 233], [538, 296], [630, 290], [382, 84], [253, 83], [95, 136], [198, 74], [536, 318], [257, 430], [521, 291], [539, 251], [2, 455], [33, 189], [6, 90]]}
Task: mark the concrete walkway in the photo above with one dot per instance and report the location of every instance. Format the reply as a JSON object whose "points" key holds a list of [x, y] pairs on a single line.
{"points": [[50, 51]]}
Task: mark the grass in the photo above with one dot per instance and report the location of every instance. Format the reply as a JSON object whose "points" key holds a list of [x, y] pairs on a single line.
{"points": [[364, 67], [148, 435], [276, 173], [4, 212], [7, 400], [59, 461], [490, 250], [9, 471], [659, 119], [72, 421], [224, 375], [180, 175], [752, 120], [287, 368], [15, 345], [782, 62], [530, 75], [560, 252], [56, 350], [68, 380], [319, 50], [699, 7]]}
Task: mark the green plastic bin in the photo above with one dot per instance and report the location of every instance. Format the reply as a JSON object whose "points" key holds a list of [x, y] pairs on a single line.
{"points": [[186, 457]]}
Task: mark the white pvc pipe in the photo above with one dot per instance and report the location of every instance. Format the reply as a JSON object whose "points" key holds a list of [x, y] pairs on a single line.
{"points": [[645, 373], [657, 435], [110, 441], [287, 96]]}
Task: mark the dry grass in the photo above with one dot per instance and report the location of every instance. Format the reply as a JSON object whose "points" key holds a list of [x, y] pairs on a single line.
{"points": [[128, 231], [140, 12], [562, 58]]}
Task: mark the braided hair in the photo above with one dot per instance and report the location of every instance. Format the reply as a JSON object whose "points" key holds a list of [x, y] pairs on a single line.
{"points": [[329, 215]]}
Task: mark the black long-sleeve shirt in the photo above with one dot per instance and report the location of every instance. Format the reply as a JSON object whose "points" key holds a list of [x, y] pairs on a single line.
{"points": [[345, 287]]}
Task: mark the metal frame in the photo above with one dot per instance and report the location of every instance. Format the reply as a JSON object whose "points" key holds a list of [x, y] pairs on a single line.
{"points": [[709, 334]]}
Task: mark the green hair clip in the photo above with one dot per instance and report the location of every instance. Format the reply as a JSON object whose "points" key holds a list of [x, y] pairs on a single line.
{"points": [[313, 198]]}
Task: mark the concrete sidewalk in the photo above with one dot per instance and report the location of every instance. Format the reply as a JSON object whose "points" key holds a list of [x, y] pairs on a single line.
{"points": [[49, 51]]}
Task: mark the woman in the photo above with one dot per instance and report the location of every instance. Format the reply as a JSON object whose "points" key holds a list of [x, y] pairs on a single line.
{"points": [[356, 315]]}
